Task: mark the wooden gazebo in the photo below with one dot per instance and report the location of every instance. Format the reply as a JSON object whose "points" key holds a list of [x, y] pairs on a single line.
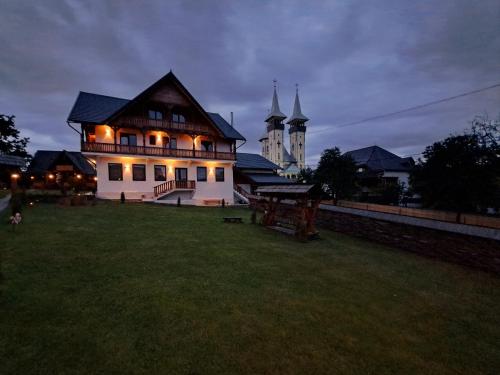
{"points": [[290, 208]]}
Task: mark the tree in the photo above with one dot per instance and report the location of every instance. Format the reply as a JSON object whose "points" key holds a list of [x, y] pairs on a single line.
{"points": [[306, 176], [11, 142], [460, 173], [487, 131], [336, 173]]}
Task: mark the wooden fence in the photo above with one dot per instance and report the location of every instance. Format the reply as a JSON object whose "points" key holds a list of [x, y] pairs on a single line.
{"points": [[451, 217]]}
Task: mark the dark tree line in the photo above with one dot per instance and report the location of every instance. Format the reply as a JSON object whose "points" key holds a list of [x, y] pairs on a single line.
{"points": [[11, 142]]}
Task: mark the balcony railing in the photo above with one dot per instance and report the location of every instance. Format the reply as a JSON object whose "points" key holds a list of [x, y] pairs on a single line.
{"points": [[111, 148], [142, 122], [174, 185]]}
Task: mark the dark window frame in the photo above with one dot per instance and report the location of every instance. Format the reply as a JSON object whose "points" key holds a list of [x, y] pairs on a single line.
{"points": [[128, 136], [217, 178], [152, 140], [154, 114], [198, 169], [133, 174], [109, 172], [164, 167], [178, 174], [173, 143], [177, 117]]}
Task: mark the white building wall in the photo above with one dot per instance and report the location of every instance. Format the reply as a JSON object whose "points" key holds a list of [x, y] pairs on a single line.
{"points": [[403, 177], [210, 189]]}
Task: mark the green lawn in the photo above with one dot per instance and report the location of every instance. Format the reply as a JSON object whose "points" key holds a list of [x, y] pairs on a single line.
{"points": [[145, 289]]}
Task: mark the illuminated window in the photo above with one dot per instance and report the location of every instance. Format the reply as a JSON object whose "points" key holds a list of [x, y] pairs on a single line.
{"points": [[115, 172], [219, 174], [160, 172], [201, 173], [139, 172], [165, 142]]}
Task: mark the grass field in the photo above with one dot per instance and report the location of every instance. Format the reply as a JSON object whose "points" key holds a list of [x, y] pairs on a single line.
{"points": [[146, 289]]}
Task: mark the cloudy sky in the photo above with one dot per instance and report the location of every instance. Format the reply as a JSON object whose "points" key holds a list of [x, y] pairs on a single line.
{"points": [[352, 60]]}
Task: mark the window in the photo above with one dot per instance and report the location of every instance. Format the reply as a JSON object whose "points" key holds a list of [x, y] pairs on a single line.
{"points": [[173, 142], [207, 145], [139, 172], [181, 174], [176, 117], [219, 174], [165, 142], [115, 172], [160, 173], [201, 173], [155, 115], [152, 140], [128, 139]]}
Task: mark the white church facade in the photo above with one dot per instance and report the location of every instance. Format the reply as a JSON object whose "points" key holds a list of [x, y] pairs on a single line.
{"points": [[272, 141]]}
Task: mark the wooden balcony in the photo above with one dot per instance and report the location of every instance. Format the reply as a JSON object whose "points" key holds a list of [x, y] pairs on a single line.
{"points": [[111, 148], [144, 122]]}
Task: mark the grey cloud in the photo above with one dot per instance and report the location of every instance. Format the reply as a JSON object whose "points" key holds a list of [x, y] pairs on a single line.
{"points": [[352, 60]]}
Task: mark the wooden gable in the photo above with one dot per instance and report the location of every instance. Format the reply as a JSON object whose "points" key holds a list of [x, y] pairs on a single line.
{"points": [[169, 97]]}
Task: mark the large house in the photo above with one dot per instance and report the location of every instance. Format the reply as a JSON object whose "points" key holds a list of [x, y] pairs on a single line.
{"points": [[161, 145], [379, 168]]}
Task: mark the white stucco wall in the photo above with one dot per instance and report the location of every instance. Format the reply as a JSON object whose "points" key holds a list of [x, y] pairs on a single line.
{"points": [[402, 177], [137, 189]]}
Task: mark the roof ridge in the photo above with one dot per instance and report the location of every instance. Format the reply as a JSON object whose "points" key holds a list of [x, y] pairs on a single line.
{"points": [[107, 96]]}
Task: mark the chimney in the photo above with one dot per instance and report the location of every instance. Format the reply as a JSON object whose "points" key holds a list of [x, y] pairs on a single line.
{"points": [[232, 119]]}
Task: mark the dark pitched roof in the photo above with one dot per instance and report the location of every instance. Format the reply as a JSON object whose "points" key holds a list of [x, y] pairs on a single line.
{"points": [[378, 159], [225, 128], [98, 109], [44, 160], [16, 161], [95, 108], [287, 157], [254, 161], [272, 179]]}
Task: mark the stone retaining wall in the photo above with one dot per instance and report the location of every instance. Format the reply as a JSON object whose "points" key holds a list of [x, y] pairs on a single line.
{"points": [[467, 250]]}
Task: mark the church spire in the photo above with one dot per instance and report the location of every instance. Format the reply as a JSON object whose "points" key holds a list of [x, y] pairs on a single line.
{"points": [[275, 108], [297, 116]]}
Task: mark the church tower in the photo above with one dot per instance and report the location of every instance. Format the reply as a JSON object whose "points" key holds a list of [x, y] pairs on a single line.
{"points": [[272, 144], [297, 133]]}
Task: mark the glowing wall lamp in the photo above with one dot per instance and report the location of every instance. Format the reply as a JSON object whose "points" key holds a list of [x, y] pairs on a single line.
{"points": [[51, 176], [14, 176], [79, 176]]}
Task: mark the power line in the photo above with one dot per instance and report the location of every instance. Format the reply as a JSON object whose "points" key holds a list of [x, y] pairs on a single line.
{"points": [[377, 117]]}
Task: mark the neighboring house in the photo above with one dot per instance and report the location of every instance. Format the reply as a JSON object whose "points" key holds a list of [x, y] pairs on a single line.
{"points": [[378, 167], [272, 141], [160, 145], [10, 165], [51, 169], [253, 170]]}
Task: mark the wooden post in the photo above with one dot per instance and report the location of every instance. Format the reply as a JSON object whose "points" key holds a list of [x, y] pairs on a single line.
{"points": [[115, 129]]}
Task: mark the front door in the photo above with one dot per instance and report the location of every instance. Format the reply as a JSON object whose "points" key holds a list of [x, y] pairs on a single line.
{"points": [[181, 174]]}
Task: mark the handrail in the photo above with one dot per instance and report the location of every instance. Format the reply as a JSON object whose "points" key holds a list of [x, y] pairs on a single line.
{"points": [[155, 151], [142, 122], [173, 185]]}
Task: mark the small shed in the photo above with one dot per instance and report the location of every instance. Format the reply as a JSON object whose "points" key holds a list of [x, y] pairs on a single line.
{"points": [[290, 208]]}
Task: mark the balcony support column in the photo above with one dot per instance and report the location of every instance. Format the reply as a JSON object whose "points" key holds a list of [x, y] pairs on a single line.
{"points": [[115, 130]]}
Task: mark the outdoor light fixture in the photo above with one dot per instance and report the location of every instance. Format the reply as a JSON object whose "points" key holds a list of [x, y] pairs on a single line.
{"points": [[14, 176], [95, 178], [51, 176], [108, 132], [79, 176], [32, 177]]}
